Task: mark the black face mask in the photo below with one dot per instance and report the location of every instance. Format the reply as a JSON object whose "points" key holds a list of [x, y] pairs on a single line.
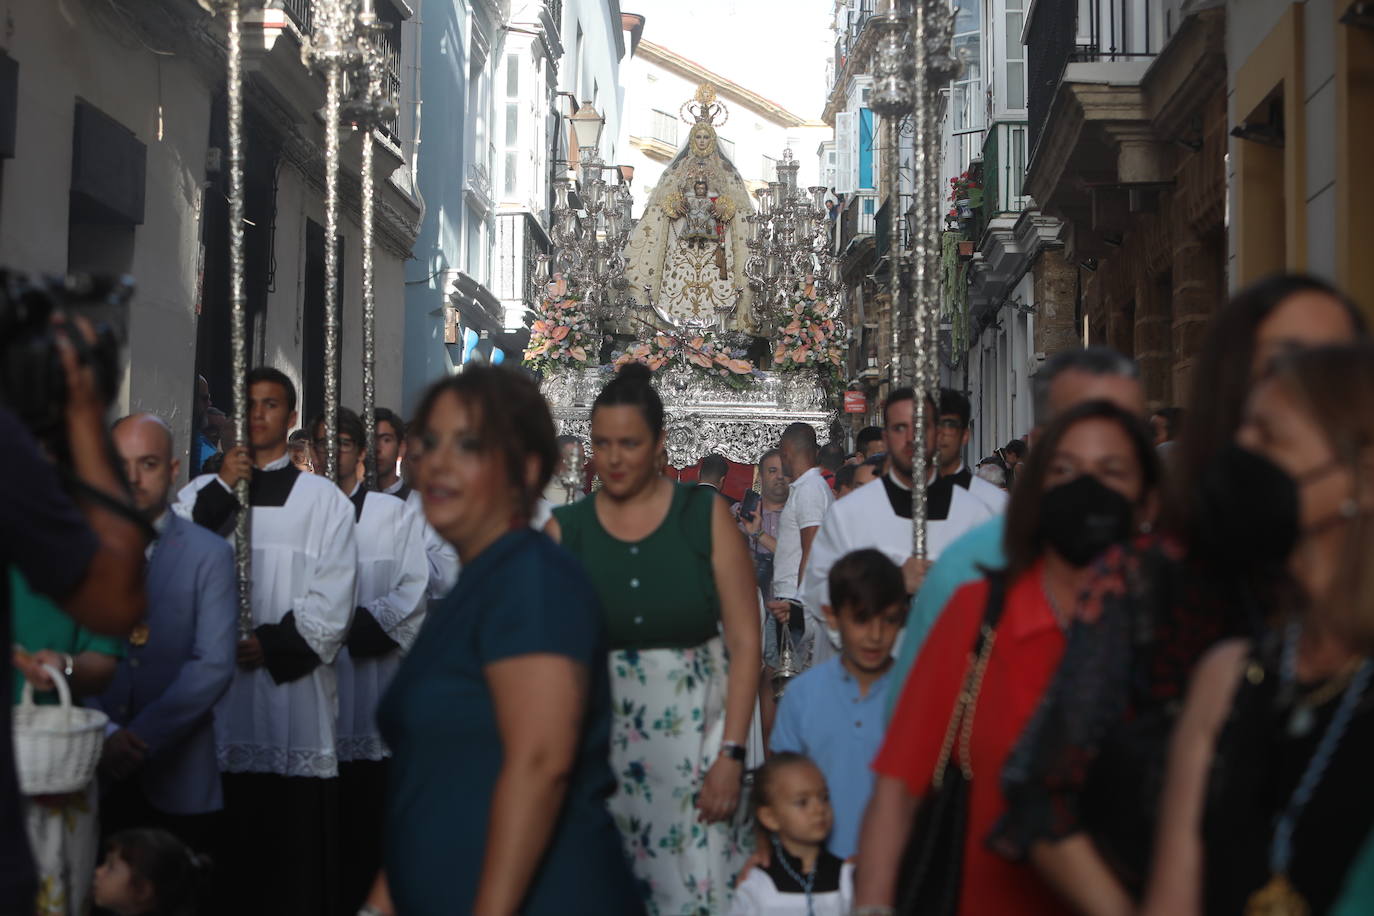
{"points": [[1247, 511], [1082, 518]]}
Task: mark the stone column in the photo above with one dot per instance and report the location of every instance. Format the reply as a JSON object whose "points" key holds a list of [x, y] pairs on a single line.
{"points": [[1055, 286], [1197, 289], [1153, 329]]}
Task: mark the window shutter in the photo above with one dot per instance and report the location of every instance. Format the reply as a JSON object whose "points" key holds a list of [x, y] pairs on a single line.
{"points": [[846, 162]]}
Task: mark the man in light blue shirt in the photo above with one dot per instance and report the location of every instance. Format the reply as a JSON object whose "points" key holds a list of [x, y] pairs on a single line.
{"points": [[1070, 378], [833, 713]]}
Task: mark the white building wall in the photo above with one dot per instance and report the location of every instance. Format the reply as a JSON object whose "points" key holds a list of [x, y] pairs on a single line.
{"points": [[61, 59], [757, 140]]}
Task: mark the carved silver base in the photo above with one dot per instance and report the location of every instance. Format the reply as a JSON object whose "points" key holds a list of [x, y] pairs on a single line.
{"points": [[704, 414]]}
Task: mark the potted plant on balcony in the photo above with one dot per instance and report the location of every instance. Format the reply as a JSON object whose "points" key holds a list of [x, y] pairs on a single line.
{"points": [[966, 193]]}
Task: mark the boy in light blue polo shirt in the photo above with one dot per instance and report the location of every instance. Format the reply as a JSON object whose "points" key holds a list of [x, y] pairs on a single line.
{"points": [[833, 713]]}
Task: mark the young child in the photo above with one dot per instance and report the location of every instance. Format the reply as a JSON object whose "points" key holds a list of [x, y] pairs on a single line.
{"points": [[833, 713], [148, 873], [792, 807]]}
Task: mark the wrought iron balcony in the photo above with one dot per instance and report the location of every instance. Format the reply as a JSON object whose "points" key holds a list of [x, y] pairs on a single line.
{"points": [[1062, 32], [858, 220], [299, 13]]}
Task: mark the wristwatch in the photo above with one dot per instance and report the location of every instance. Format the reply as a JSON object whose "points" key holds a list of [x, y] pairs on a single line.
{"points": [[733, 750]]}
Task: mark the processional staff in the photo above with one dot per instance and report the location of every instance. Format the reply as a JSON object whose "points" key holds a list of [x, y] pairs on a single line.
{"points": [[238, 335], [907, 80], [343, 36]]}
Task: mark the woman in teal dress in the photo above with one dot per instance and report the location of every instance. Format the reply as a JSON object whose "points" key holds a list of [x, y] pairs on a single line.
{"points": [[673, 572], [498, 719]]}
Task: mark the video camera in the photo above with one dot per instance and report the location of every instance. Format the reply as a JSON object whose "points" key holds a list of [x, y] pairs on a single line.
{"points": [[32, 381]]}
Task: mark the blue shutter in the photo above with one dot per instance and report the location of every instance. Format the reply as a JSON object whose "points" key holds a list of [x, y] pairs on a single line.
{"points": [[866, 148]]}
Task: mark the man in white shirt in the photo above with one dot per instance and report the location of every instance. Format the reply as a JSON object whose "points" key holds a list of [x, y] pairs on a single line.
{"points": [[878, 515], [275, 728], [951, 439], [808, 498]]}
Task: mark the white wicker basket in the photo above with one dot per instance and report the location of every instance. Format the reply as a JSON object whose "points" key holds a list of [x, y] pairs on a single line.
{"points": [[56, 748]]}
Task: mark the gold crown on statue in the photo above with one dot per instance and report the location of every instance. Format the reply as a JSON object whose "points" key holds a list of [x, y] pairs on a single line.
{"points": [[704, 108]]}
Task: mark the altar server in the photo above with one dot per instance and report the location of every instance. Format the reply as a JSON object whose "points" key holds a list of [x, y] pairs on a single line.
{"points": [[393, 577], [275, 729], [878, 515], [393, 450]]}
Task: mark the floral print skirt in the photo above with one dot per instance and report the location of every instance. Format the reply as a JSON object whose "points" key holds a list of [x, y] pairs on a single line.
{"points": [[668, 722], [64, 834]]}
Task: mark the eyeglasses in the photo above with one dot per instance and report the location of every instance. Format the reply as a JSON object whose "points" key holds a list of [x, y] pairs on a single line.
{"points": [[950, 423]]}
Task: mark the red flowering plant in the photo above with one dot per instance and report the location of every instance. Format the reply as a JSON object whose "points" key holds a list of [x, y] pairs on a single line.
{"points": [[806, 339], [700, 352], [561, 334]]}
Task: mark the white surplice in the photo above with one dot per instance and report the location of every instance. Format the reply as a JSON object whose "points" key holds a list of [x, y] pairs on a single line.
{"points": [[305, 561], [443, 559], [865, 518], [393, 581]]}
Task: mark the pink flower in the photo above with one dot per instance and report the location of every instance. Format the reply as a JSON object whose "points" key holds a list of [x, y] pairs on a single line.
{"points": [[663, 342], [559, 332], [779, 351], [699, 359], [656, 362], [578, 354], [741, 366]]}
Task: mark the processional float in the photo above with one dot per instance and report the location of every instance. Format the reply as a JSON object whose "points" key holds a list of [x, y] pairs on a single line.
{"points": [[343, 44], [702, 288]]}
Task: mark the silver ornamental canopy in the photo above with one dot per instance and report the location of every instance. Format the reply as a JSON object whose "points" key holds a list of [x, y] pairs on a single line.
{"points": [[703, 415]]}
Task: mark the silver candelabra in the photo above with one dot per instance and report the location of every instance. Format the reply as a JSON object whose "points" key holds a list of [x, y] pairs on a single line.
{"points": [[591, 222], [788, 242]]}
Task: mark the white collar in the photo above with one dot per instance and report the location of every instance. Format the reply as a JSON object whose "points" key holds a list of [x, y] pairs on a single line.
{"points": [[893, 477], [278, 463], [814, 471], [395, 487], [354, 492]]}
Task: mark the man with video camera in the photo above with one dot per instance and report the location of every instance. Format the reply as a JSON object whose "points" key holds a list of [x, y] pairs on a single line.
{"points": [[77, 547]]}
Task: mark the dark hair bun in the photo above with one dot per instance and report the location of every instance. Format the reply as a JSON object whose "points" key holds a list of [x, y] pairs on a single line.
{"points": [[635, 373], [633, 387]]}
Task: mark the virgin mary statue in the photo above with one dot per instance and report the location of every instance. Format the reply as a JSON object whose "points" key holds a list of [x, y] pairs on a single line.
{"points": [[685, 257]]}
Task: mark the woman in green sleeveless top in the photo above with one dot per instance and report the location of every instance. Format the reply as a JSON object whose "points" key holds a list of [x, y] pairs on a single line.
{"points": [[673, 574]]}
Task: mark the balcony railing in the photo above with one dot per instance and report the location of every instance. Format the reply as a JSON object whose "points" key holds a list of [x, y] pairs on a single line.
{"points": [[299, 13], [1082, 31], [858, 220], [857, 17]]}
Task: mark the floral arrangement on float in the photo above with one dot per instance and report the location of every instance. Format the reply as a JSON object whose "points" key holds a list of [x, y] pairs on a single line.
{"points": [[807, 339], [701, 353], [562, 335]]}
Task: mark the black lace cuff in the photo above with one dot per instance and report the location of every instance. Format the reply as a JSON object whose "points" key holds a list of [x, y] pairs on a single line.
{"points": [[367, 639], [215, 507], [286, 654]]}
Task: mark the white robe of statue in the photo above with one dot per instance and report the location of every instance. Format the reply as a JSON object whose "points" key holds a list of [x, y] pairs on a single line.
{"points": [[688, 248]]}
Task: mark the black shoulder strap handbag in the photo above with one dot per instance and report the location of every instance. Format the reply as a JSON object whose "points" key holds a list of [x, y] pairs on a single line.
{"points": [[933, 862]]}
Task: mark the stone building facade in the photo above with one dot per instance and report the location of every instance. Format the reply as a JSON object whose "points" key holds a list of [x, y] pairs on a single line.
{"points": [[1130, 154]]}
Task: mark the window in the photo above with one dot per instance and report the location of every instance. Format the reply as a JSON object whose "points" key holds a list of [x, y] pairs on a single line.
{"points": [[663, 127], [770, 168], [1018, 167], [1016, 56], [966, 97], [510, 159]]}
